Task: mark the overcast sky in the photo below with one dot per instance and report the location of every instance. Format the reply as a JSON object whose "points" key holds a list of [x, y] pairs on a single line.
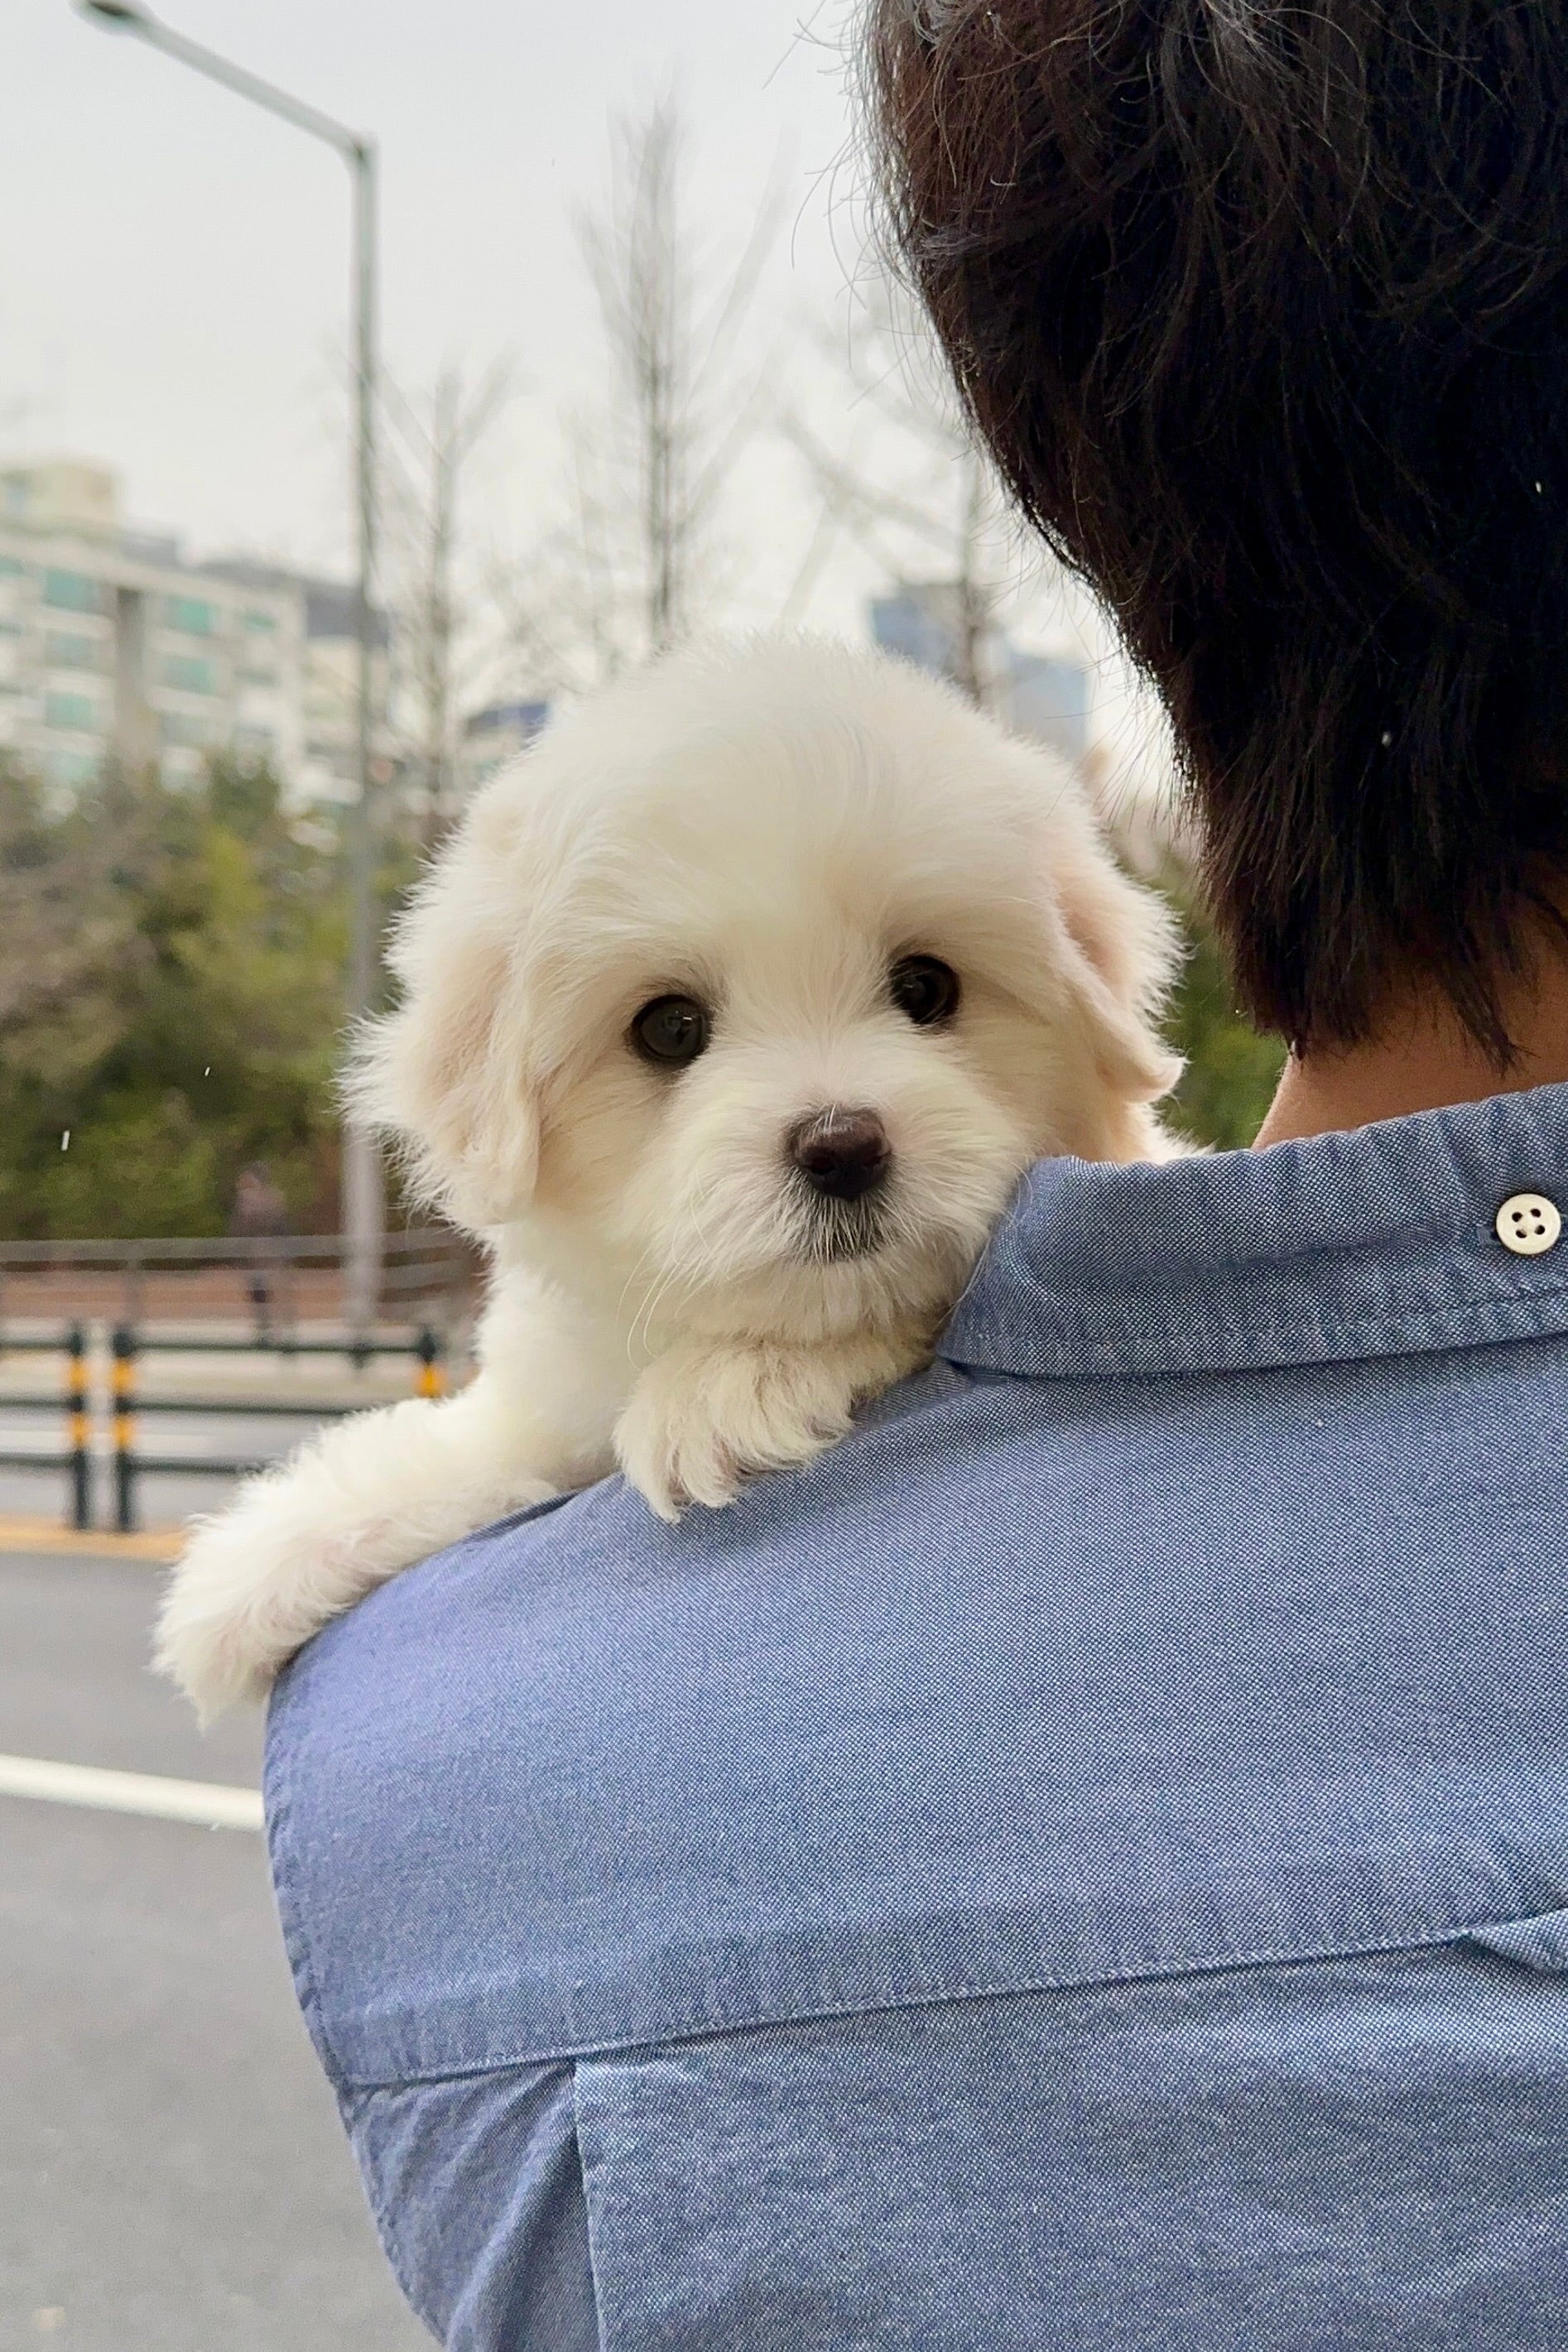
{"points": [[173, 262]]}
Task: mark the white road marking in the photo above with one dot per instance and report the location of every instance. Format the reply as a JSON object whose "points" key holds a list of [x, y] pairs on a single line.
{"points": [[207, 1803]]}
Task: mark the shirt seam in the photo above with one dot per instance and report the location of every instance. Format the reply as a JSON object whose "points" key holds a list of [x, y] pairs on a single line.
{"points": [[588, 2202], [279, 1811], [577, 2054], [1273, 1337]]}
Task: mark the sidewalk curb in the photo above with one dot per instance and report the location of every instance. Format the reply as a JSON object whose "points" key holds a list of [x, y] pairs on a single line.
{"points": [[47, 1538]]}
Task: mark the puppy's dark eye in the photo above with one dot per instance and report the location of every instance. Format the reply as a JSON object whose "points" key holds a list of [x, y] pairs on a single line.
{"points": [[924, 988], [670, 1032]]}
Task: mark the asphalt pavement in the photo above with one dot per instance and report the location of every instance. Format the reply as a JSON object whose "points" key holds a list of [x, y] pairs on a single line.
{"points": [[172, 2176]]}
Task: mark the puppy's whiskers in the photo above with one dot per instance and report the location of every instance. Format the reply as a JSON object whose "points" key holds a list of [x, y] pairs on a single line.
{"points": [[641, 1332], [675, 1272], [694, 1213], [643, 1257]]}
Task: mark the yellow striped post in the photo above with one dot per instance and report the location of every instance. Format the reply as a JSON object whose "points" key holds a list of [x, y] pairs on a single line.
{"points": [[78, 1427], [122, 1394], [432, 1377]]}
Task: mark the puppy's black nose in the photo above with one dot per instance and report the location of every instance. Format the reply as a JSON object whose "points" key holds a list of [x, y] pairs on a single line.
{"points": [[842, 1154]]}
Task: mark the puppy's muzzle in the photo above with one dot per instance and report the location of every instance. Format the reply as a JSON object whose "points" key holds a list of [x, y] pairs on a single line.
{"points": [[843, 1155]]}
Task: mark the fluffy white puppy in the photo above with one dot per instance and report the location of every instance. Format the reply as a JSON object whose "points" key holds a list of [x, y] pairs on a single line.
{"points": [[731, 1014]]}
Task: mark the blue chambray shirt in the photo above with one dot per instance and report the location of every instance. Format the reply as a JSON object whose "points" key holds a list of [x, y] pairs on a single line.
{"points": [[1085, 1864]]}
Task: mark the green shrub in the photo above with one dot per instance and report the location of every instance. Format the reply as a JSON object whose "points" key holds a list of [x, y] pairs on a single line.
{"points": [[171, 998], [1232, 1070]]}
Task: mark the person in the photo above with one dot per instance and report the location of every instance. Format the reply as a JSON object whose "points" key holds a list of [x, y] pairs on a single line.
{"points": [[260, 1216], [1085, 1864]]}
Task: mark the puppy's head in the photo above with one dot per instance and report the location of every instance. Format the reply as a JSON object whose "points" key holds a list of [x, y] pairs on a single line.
{"points": [[752, 989]]}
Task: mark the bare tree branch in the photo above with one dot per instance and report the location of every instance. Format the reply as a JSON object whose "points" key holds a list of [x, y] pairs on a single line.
{"points": [[432, 442], [912, 490], [636, 557]]}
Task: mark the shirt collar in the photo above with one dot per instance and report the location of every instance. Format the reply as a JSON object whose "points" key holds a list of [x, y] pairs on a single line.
{"points": [[1379, 1243]]}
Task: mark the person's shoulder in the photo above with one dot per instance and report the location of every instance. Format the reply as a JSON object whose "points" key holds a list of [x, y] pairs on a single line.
{"points": [[587, 1782], [540, 1619], [557, 1705], [508, 1590]]}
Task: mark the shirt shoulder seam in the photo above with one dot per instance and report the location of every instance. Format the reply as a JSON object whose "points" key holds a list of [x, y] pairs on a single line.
{"points": [[1404, 1333]]}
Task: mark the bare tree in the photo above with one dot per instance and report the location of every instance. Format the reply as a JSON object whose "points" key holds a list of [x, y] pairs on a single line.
{"points": [[636, 557], [430, 446], [634, 253], [902, 478]]}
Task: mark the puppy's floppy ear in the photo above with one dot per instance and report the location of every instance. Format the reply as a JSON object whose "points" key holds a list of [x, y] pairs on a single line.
{"points": [[1122, 956], [449, 1072]]}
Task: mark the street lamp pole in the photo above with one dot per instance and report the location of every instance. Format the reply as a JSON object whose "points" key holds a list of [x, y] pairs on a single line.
{"points": [[363, 1204]]}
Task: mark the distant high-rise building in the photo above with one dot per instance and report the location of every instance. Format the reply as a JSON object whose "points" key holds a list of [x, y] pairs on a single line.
{"points": [[1045, 696], [327, 731], [1040, 695], [113, 645], [492, 737], [922, 622]]}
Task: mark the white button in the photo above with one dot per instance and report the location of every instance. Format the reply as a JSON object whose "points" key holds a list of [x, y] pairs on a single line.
{"points": [[1528, 1225]]}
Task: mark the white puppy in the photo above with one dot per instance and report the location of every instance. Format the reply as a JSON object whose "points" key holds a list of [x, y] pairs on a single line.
{"points": [[731, 1014]]}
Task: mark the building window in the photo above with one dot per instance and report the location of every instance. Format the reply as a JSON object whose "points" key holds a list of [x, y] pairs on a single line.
{"points": [[181, 732], [61, 652], [191, 616], [73, 714], [72, 592], [263, 622], [73, 768], [191, 673], [11, 568]]}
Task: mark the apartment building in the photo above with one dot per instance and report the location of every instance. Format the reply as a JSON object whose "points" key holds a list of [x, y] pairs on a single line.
{"points": [[324, 766], [1043, 695], [113, 645], [495, 735]]}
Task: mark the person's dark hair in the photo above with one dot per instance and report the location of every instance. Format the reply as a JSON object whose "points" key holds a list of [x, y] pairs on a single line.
{"points": [[1262, 307]]}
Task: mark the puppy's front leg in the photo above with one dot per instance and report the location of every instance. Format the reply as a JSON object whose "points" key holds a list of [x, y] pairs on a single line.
{"points": [[301, 1543], [710, 1413]]}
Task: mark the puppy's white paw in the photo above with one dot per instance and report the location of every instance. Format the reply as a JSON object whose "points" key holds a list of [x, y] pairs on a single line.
{"points": [[302, 1543], [708, 1415], [254, 1584], [235, 1612]]}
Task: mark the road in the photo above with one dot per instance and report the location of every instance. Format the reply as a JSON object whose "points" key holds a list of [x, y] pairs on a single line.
{"points": [[172, 2178]]}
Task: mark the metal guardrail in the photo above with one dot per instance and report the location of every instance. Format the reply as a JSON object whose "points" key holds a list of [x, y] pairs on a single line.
{"points": [[127, 1349], [76, 1457], [427, 1274]]}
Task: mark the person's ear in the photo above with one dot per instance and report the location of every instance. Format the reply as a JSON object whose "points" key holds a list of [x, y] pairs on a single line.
{"points": [[449, 1072]]}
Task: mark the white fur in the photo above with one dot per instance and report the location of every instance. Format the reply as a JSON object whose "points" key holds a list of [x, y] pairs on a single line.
{"points": [[767, 829]]}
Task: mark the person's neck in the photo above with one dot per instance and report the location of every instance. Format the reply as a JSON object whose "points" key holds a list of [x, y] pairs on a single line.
{"points": [[1423, 1059]]}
